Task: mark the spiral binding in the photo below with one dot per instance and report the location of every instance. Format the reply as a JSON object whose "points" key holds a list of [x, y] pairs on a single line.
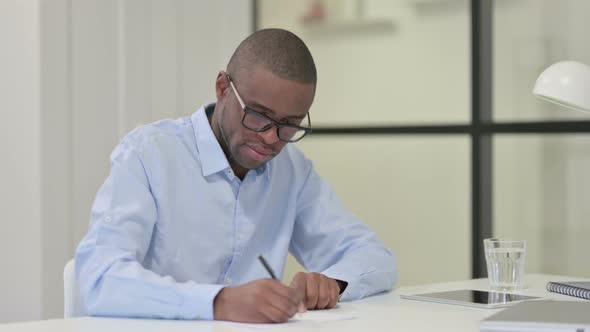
{"points": [[556, 287]]}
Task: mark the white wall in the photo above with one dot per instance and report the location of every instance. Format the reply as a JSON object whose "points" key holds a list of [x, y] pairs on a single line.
{"points": [[56, 155], [76, 76], [20, 150]]}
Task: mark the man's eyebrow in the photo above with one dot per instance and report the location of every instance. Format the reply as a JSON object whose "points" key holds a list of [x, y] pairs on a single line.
{"points": [[266, 109]]}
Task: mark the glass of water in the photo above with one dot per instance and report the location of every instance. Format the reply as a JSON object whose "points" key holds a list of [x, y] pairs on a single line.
{"points": [[505, 261]]}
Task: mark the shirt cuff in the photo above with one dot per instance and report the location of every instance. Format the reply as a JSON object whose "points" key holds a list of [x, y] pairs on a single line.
{"points": [[351, 292], [198, 301]]}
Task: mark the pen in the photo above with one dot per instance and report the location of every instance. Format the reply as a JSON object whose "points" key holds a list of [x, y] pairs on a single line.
{"points": [[267, 267], [272, 274]]}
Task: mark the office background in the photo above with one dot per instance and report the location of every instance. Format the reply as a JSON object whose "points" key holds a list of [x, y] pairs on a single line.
{"points": [[78, 74]]}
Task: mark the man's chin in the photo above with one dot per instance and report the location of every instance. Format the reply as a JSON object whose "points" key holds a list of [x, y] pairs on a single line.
{"points": [[252, 164]]}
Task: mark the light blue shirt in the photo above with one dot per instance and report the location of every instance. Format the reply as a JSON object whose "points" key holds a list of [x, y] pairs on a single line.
{"points": [[172, 225]]}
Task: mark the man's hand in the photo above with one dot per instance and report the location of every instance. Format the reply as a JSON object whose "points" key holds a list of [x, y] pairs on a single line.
{"points": [[259, 301], [320, 292]]}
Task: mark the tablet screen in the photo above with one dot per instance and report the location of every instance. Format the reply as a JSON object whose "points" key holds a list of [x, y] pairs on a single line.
{"points": [[471, 297]]}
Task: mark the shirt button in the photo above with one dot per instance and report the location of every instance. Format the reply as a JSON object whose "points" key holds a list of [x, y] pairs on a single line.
{"points": [[228, 280], [107, 219]]}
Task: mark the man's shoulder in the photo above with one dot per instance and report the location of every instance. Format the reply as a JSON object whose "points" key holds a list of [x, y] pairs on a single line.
{"points": [[159, 134]]}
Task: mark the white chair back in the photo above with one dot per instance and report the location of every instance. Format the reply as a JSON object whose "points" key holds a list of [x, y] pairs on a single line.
{"points": [[73, 305]]}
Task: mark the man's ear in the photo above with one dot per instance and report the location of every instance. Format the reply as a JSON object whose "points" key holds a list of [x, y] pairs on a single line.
{"points": [[221, 85]]}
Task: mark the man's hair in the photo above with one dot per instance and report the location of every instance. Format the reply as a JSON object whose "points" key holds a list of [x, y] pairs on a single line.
{"points": [[279, 51]]}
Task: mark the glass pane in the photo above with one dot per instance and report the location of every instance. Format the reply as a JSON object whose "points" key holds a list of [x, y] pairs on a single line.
{"points": [[382, 62], [413, 191], [530, 35], [541, 188]]}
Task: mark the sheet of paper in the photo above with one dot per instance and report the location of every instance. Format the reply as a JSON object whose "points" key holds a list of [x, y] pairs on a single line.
{"points": [[312, 317], [320, 316]]}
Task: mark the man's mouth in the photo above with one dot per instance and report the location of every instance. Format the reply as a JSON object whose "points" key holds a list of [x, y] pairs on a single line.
{"points": [[257, 153]]}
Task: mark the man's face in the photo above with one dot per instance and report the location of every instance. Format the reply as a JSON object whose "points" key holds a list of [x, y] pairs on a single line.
{"points": [[262, 91]]}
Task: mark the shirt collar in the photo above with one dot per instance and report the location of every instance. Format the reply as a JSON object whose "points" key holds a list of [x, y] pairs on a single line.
{"points": [[211, 154]]}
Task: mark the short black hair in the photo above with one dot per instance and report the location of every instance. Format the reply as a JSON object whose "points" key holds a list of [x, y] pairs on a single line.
{"points": [[279, 51]]}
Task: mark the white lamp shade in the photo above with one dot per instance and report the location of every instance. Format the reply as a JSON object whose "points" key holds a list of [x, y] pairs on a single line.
{"points": [[565, 83]]}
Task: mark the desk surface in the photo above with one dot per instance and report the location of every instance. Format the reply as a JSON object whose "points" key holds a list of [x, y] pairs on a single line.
{"points": [[386, 312]]}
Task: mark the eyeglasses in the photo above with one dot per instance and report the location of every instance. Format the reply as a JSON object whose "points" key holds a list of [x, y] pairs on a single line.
{"points": [[260, 122]]}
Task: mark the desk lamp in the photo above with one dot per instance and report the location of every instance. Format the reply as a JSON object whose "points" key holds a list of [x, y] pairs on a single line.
{"points": [[565, 83]]}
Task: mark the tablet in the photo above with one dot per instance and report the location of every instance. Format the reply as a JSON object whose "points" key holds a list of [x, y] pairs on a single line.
{"points": [[472, 298]]}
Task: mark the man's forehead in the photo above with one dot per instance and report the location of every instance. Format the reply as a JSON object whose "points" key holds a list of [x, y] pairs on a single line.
{"points": [[263, 90]]}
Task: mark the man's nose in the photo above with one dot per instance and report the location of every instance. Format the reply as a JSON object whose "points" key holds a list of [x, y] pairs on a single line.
{"points": [[270, 136]]}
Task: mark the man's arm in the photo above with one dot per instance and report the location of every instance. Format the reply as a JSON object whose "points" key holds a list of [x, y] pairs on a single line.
{"points": [[329, 240], [112, 280]]}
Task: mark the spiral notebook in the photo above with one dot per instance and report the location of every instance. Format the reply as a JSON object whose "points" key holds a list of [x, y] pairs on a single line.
{"points": [[579, 289]]}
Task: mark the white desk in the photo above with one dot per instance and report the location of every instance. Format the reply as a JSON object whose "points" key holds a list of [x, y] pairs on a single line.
{"points": [[385, 312]]}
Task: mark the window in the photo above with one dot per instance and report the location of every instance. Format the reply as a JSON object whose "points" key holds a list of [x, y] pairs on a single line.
{"points": [[426, 108]]}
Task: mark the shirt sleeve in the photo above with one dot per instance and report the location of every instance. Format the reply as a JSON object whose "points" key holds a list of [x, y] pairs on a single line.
{"points": [[330, 240], [110, 275]]}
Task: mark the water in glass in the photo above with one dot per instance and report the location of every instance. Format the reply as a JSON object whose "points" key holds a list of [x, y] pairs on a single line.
{"points": [[505, 268]]}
